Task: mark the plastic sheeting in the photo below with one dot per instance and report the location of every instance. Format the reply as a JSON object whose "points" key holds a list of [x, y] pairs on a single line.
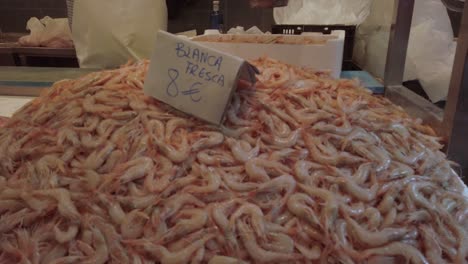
{"points": [[109, 33], [431, 45], [323, 12], [47, 32]]}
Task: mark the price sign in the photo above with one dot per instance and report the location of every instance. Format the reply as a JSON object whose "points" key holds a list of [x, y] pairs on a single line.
{"points": [[193, 78]]}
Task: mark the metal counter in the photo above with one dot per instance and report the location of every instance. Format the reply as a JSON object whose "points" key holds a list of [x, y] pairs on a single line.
{"points": [[452, 123], [29, 81], [11, 54]]}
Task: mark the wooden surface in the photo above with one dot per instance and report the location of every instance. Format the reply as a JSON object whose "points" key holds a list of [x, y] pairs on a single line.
{"points": [[455, 125]]}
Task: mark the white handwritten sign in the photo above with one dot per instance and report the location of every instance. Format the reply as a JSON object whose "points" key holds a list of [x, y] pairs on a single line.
{"points": [[193, 78]]}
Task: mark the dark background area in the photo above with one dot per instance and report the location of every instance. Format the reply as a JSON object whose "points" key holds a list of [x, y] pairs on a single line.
{"points": [[183, 14]]}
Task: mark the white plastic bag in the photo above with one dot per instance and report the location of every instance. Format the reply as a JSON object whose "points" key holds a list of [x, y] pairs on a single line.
{"points": [[47, 32], [431, 47], [109, 33], [323, 12], [430, 59], [241, 30]]}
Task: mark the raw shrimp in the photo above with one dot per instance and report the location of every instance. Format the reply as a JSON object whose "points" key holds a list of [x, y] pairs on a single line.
{"points": [[220, 217], [306, 116], [160, 253], [34, 203], [273, 77], [389, 219], [257, 218], [276, 126], [139, 202], [256, 169], [303, 169], [278, 242], [156, 128], [375, 239], [67, 260], [89, 105], [413, 190], [137, 168], [232, 113], [132, 224], [97, 158], [277, 186], [66, 236], [302, 205], [357, 191], [282, 142], [115, 211], [338, 159], [179, 183], [236, 133], [10, 205], [413, 217], [53, 254], [302, 100], [234, 182], [397, 249], [388, 200], [213, 182], [215, 157], [112, 160], [280, 113], [309, 253], [241, 150], [433, 250], [258, 253], [197, 219], [225, 260], [174, 154], [373, 153], [124, 115], [331, 205], [341, 237], [112, 238], [207, 140], [374, 218], [289, 154], [176, 202], [66, 207], [68, 135], [354, 210], [101, 254]]}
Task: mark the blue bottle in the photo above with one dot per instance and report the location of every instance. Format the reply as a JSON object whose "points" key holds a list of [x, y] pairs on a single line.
{"points": [[216, 18]]}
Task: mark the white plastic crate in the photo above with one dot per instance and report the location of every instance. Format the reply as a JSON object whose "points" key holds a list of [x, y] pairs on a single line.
{"points": [[324, 53]]}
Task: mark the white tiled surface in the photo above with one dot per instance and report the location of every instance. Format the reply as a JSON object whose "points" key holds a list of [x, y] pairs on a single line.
{"points": [[9, 104]]}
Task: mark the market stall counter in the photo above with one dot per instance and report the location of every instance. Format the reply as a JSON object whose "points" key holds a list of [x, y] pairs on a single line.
{"points": [[29, 81]]}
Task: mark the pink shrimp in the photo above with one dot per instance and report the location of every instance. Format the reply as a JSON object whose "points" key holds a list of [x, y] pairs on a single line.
{"points": [[397, 249], [256, 252]]}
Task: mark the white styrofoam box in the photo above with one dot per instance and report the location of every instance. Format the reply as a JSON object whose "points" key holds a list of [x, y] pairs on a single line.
{"points": [[324, 54]]}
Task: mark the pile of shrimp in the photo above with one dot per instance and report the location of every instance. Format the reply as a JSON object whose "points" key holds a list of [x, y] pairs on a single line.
{"points": [[303, 169], [3, 120]]}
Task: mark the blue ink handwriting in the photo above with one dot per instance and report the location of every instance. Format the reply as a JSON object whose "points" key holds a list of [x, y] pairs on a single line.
{"points": [[172, 89], [195, 54], [201, 72], [192, 91]]}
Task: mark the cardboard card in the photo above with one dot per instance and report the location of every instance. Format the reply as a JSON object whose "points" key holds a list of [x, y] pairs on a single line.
{"points": [[193, 78]]}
